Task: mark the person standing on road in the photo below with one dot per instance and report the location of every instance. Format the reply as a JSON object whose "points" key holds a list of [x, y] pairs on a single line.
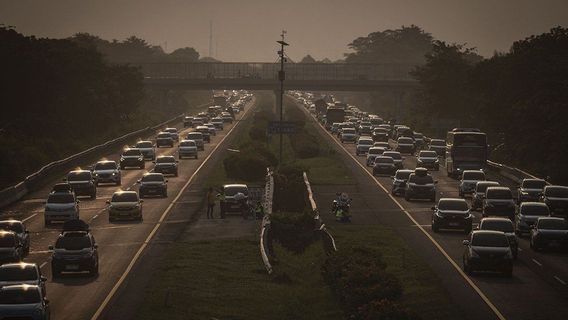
{"points": [[210, 198]]}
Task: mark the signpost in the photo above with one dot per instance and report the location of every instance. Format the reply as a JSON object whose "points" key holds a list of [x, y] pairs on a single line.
{"points": [[281, 127]]}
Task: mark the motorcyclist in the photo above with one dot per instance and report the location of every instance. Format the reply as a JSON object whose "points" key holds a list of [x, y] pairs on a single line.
{"points": [[341, 207]]}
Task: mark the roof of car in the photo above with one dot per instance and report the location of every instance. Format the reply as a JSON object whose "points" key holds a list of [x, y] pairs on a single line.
{"points": [[124, 192], [79, 171], [531, 179], [144, 141], [533, 204], [74, 234], [20, 287], [499, 188], [11, 221], [489, 183], [452, 199], [21, 265], [552, 218], [166, 157], [106, 161], [555, 187], [151, 174], [5, 233], [495, 219], [235, 185], [487, 232]]}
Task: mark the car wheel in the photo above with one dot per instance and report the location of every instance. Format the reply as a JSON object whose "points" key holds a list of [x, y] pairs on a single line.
{"points": [[180, 157], [140, 218], [165, 194], [110, 219]]}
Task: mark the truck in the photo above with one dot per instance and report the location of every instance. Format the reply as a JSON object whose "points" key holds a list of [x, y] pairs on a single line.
{"points": [[334, 115], [220, 100], [321, 106]]}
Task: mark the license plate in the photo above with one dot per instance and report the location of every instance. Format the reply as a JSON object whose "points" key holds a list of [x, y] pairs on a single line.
{"points": [[454, 224], [554, 243], [72, 267]]}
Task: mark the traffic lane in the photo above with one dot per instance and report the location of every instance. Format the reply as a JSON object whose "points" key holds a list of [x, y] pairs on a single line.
{"points": [[524, 277], [118, 242]]}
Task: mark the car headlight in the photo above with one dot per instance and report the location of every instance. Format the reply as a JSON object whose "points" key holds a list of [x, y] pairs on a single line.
{"points": [[114, 173], [524, 193], [440, 214]]}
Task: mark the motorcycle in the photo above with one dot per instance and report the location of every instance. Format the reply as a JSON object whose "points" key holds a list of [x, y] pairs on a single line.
{"points": [[340, 208]]}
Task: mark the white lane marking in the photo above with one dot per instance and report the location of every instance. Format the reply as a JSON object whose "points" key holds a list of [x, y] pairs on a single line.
{"points": [[43, 265], [538, 263], [157, 226], [28, 218], [560, 280], [434, 242]]}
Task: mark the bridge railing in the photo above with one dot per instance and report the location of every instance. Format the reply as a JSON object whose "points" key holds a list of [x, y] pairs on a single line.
{"points": [[269, 71]]}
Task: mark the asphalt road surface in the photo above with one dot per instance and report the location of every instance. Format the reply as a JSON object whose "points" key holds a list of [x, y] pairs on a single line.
{"points": [[538, 287], [81, 296]]}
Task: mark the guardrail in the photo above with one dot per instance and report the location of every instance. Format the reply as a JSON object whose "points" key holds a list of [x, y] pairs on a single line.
{"points": [[327, 239], [14, 193], [265, 236], [515, 174]]}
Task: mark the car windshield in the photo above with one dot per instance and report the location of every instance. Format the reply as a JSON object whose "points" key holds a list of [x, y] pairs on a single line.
{"points": [[375, 151], [165, 160], [10, 226], [132, 152], [482, 187], [195, 135], [552, 224], [73, 243], [171, 130], [187, 144], [504, 194], [428, 154], [418, 135], [455, 205], [405, 140], [394, 155], [497, 225], [489, 240], [366, 142], [144, 144], [125, 197], [233, 190], [414, 178], [18, 273], [403, 175], [473, 175], [61, 198], [105, 166], [153, 178], [384, 160], [24, 296], [534, 184], [349, 130], [534, 210], [437, 143], [79, 176], [7, 240], [558, 192]]}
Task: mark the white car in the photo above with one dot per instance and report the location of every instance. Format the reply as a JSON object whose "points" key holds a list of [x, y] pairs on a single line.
{"points": [[197, 137], [174, 133], [147, 148], [396, 156], [187, 148], [61, 206], [363, 145], [373, 153]]}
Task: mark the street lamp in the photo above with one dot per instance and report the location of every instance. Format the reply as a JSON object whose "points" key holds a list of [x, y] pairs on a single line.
{"points": [[281, 78]]}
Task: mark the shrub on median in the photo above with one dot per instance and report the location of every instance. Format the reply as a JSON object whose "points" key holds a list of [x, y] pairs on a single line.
{"points": [[294, 231]]}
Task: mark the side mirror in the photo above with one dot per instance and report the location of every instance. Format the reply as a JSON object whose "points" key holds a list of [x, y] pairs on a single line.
{"points": [[153, 161], [78, 201], [138, 181], [141, 201], [50, 248], [27, 231], [433, 208], [107, 202], [465, 242], [96, 246], [436, 182], [43, 279], [166, 180]]}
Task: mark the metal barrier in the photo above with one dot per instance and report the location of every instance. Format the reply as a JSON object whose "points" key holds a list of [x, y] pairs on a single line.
{"points": [[265, 237], [12, 194], [514, 174], [328, 241]]}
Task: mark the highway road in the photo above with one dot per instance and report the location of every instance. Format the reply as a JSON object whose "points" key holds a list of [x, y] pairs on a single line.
{"points": [[121, 244], [538, 288]]}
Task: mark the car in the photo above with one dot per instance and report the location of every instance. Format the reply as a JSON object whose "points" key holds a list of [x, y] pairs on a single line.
{"points": [[204, 116], [166, 165], [452, 213], [380, 135], [61, 206], [365, 128], [344, 125], [549, 232], [420, 185], [164, 139], [530, 190], [556, 198], [22, 273], [212, 129], [384, 165], [227, 118], [488, 251], [372, 154], [428, 159], [402, 131], [125, 205], [82, 182], [187, 148], [23, 301], [198, 121], [397, 157], [504, 225], [527, 215], [173, 132], [230, 204], [479, 193], [439, 146], [334, 127], [205, 132], [418, 140], [468, 180], [363, 145], [74, 251], [147, 148], [384, 145], [19, 228], [405, 145], [197, 137], [153, 184], [399, 181], [348, 135], [132, 158], [10, 247], [499, 202], [107, 171], [218, 123], [62, 187], [187, 121]]}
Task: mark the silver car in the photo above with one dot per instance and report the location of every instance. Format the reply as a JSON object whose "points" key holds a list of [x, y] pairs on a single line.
{"points": [[107, 172], [147, 148], [197, 137], [187, 148], [61, 206]]}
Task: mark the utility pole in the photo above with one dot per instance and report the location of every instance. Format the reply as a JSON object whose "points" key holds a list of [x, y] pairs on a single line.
{"points": [[281, 77], [210, 38]]}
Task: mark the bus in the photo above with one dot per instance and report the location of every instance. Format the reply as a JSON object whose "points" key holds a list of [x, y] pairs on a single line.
{"points": [[334, 115], [219, 100], [466, 149]]}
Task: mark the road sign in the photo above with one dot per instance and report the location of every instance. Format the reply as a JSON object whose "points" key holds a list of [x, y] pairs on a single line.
{"points": [[284, 127]]}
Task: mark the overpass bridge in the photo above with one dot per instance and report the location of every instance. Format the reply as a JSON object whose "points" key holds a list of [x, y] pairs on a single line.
{"points": [[264, 76]]}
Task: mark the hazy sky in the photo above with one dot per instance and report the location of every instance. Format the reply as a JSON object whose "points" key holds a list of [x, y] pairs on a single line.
{"points": [[246, 30]]}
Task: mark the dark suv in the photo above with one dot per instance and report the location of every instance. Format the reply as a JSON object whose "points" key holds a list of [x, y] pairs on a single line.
{"points": [[556, 198], [10, 247], [74, 251], [488, 251], [132, 158], [451, 214], [420, 185], [153, 184], [83, 183], [19, 229], [166, 165], [504, 225], [530, 190], [499, 202]]}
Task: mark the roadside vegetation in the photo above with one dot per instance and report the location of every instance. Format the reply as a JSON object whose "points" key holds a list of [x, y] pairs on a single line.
{"points": [[61, 97]]}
